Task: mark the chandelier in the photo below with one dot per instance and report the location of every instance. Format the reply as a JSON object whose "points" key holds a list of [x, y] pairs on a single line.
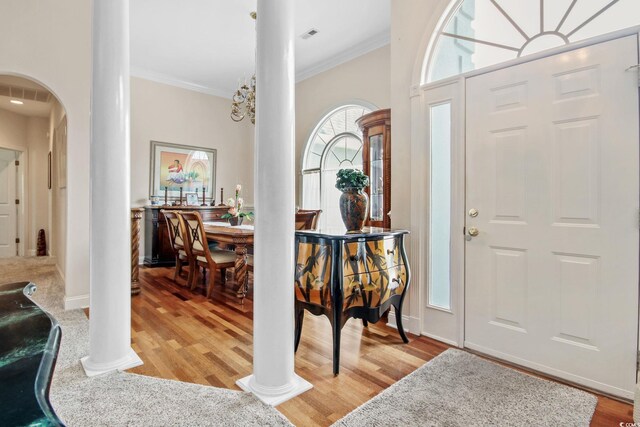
{"points": [[244, 99]]}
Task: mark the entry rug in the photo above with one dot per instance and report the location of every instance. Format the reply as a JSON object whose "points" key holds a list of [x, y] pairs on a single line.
{"points": [[459, 389]]}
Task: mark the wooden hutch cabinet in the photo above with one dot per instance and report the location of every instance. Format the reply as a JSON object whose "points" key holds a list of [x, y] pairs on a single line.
{"points": [[376, 156]]}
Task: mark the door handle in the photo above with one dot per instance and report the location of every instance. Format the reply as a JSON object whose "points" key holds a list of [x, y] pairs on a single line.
{"points": [[473, 231]]}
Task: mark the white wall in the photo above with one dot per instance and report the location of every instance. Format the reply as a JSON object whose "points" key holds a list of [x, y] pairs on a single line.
{"points": [[13, 130], [166, 113], [38, 191], [49, 41], [363, 78], [28, 135]]}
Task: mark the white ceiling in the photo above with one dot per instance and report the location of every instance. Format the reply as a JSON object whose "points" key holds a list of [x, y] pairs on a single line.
{"points": [[208, 44], [28, 108]]}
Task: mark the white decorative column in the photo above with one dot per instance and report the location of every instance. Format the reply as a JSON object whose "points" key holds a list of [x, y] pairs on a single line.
{"points": [[273, 379], [110, 264]]}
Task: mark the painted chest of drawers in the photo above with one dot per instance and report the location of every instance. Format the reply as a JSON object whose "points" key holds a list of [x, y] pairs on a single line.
{"points": [[345, 276]]}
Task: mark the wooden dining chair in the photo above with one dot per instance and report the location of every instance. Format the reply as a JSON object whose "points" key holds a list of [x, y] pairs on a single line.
{"points": [[202, 254], [177, 242], [307, 219]]}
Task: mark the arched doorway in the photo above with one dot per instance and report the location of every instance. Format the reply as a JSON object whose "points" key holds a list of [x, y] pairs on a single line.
{"points": [[520, 107], [33, 128]]}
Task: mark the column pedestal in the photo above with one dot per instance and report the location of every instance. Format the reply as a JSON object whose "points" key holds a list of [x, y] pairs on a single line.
{"points": [[131, 360], [275, 396]]}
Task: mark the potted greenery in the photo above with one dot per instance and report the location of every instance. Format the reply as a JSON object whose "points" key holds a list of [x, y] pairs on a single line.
{"points": [[235, 214], [354, 203]]}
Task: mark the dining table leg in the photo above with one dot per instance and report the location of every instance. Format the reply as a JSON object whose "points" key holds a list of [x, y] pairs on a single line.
{"points": [[240, 270]]}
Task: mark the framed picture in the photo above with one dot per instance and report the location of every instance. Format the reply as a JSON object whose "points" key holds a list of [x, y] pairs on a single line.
{"points": [[49, 170], [192, 199], [176, 166], [60, 141]]}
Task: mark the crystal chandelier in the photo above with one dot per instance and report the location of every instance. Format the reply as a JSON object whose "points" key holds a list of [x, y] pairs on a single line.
{"points": [[244, 99], [244, 102]]}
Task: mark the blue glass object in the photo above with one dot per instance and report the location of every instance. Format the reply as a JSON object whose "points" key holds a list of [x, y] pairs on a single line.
{"points": [[29, 343]]}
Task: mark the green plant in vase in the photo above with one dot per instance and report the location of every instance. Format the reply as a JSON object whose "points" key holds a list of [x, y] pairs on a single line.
{"points": [[354, 202], [235, 215]]}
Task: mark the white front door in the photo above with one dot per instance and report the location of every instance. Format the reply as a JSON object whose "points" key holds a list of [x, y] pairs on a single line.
{"points": [[551, 280], [8, 211]]}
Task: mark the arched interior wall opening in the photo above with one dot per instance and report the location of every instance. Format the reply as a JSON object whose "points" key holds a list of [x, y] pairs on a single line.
{"points": [[33, 124]]}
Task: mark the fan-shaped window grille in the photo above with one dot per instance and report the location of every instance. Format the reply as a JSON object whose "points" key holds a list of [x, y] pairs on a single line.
{"points": [[480, 33], [335, 144]]}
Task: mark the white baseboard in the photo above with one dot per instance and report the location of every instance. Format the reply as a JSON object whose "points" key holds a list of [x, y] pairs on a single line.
{"points": [[141, 260], [410, 324], [73, 303], [441, 339]]}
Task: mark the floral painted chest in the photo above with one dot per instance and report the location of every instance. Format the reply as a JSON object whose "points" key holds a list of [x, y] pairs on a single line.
{"points": [[345, 276]]}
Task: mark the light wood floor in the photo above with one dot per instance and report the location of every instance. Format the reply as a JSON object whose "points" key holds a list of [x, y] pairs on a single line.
{"points": [[183, 336]]}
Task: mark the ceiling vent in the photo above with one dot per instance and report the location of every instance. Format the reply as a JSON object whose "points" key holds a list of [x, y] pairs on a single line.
{"points": [[312, 32], [25, 93]]}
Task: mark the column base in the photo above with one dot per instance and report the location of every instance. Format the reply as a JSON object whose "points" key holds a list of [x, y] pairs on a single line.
{"points": [[278, 395], [91, 369]]}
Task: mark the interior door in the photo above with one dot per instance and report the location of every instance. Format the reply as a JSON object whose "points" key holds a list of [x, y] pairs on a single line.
{"points": [[8, 212], [551, 278]]}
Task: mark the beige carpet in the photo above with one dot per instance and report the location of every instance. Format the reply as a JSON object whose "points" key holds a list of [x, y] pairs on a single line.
{"points": [[457, 388], [123, 399]]}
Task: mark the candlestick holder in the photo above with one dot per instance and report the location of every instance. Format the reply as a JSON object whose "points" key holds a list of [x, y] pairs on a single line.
{"points": [[221, 197], [180, 202], [166, 203], [204, 201]]}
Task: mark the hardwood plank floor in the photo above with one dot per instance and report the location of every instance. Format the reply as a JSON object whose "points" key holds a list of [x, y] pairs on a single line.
{"points": [[181, 335]]}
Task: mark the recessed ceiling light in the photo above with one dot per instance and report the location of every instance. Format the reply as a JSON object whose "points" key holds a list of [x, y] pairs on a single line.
{"points": [[15, 101]]}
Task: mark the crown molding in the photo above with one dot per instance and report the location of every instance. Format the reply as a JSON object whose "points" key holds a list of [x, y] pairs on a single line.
{"points": [[360, 49], [177, 82]]}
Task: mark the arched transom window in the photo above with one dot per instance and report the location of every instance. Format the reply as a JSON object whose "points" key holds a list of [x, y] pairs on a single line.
{"points": [[336, 143], [479, 33]]}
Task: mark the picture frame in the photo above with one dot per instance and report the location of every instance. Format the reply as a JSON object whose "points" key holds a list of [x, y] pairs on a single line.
{"points": [[49, 171], [192, 199], [60, 148], [176, 166]]}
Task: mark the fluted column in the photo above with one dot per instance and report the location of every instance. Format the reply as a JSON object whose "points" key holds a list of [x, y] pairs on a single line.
{"points": [[273, 379], [110, 245]]}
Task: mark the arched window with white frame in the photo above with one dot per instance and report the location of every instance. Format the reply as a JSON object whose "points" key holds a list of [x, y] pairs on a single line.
{"points": [[480, 33], [334, 144]]}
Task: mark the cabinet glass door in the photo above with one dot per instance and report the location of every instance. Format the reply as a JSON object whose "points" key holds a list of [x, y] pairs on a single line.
{"points": [[376, 177]]}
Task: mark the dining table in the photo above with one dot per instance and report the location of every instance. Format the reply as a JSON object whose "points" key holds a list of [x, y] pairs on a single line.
{"points": [[241, 238]]}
